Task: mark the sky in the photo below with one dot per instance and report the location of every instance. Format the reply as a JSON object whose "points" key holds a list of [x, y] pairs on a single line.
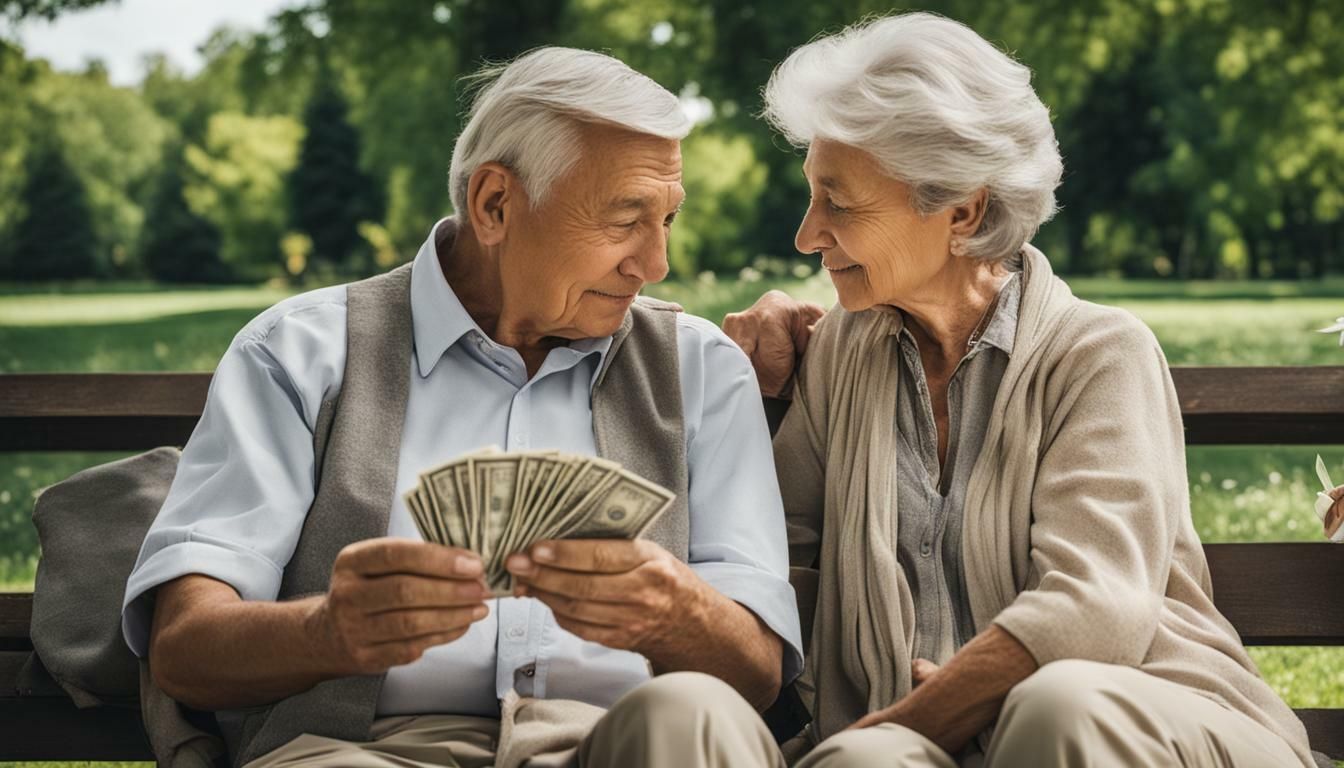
{"points": [[121, 33]]}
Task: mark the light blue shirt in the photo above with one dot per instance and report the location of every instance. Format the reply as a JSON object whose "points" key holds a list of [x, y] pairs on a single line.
{"points": [[245, 483]]}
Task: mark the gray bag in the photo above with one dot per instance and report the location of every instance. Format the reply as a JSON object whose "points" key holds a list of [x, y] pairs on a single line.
{"points": [[91, 526]]}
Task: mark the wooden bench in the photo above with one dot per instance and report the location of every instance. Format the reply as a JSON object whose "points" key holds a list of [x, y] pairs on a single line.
{"points": [[1275, 594]]}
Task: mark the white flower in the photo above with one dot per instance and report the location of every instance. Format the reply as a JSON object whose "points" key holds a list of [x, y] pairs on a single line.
{"points": [[1338, 327]]}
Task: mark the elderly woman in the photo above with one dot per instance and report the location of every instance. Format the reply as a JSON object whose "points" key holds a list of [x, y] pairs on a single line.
{"points": [[987, 472]]}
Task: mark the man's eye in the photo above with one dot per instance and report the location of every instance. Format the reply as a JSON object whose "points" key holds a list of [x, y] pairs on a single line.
{"points": [[628, 224], [668, 221], [835, 208]]}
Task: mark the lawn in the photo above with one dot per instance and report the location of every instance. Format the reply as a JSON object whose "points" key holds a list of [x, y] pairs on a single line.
{"points": [[1238, 493]]}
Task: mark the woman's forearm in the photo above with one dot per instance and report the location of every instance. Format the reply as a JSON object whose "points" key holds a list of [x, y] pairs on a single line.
{"points": [[966, 694]]}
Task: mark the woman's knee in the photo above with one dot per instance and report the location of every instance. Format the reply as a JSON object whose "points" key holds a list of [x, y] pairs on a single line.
{"points": [[1058, 702]]}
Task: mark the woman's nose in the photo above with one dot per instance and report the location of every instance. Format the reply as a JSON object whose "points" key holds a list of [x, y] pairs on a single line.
{"points": [[812, 237]]}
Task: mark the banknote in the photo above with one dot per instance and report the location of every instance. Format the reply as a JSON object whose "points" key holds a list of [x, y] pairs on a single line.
{"points": [[497, 503]]}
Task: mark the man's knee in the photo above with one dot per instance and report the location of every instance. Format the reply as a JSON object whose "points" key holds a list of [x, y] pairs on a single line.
{"points": [[679, 694], [880, 745], [681, 719]]}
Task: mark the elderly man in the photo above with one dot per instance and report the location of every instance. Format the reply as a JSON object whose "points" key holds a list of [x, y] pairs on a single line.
{"points": [[284, 584]]}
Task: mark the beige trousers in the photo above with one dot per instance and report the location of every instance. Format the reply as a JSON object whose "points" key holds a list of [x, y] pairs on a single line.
{"points": [[681, 719], [1081, 713]]}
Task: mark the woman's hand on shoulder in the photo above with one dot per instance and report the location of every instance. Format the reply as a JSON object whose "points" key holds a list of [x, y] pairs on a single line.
{"points": [[774, 333]]}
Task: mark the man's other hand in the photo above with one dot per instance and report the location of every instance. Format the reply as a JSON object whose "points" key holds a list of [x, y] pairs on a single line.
{"points": [[629, 595]]}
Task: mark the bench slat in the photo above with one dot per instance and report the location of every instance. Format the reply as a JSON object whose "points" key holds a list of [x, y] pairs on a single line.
{"points": [[1274, 594], [1280, 594], [137, 411]]}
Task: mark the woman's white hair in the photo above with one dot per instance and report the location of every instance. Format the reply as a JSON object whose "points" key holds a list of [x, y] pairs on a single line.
{"points": [[526, 115], [940, 108]]}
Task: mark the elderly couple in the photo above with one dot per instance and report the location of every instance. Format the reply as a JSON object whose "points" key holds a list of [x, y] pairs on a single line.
{"points": [[986, 474]]}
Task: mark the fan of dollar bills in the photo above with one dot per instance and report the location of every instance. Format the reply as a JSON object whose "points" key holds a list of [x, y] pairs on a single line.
{"points": [[497, 503]]}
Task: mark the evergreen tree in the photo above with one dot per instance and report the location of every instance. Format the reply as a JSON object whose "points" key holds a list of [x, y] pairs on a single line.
{"points": [[179, 246], [55, 239], [328, 194]]}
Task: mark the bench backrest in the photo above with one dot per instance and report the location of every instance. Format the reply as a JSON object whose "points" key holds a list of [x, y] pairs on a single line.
{"points": [[1274, 594]]}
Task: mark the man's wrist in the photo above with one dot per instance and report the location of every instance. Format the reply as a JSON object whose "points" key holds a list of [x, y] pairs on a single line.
{"points": [[327, 660], [687, 624]]}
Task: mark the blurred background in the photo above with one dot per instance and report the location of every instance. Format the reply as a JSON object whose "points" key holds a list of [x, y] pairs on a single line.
{"points": [[168, 169]]}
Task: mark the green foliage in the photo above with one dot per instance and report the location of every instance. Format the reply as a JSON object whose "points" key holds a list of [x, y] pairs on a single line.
{"points": [[236, 181], [722, 179], [328, 194], [179, 246], [55, 238]]}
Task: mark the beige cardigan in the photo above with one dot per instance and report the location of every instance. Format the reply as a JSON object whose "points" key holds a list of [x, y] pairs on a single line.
{"points": [[1077, 537]]}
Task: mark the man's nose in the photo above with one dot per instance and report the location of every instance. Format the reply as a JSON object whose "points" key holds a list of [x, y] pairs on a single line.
{"points": [[650, 264]]}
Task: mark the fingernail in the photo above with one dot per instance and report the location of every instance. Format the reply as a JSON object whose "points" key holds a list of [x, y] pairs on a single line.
{"points": [[543, 553], [518, 564], [467, 566], [479, 612]]}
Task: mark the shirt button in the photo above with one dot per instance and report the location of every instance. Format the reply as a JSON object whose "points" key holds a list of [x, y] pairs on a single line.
{"points": [[515, 632], [925, 548], [530, 671]]}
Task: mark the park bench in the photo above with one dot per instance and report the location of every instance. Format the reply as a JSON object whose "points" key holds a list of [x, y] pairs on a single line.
{"points": [[1274, 594]]}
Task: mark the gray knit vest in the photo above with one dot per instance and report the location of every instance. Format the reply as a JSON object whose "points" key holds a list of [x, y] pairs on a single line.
{"points": [[637, 421]]}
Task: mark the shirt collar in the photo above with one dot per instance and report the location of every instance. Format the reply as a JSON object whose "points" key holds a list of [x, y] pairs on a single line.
{"points": [[1002, 328], [440, 320]]}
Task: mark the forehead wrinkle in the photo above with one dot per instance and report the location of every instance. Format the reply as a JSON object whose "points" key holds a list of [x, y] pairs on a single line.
{"points": [[646, 202]]}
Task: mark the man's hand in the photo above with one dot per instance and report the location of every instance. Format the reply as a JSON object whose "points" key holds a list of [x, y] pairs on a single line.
{"points": [[774, 333], [390, 600], [629, 595]]}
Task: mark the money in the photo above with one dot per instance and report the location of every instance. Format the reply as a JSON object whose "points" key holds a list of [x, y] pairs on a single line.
{"points": [[497, 503]]}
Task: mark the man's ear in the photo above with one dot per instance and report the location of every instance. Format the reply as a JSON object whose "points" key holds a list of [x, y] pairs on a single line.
{"points": [[493, 192], [966, 217]]}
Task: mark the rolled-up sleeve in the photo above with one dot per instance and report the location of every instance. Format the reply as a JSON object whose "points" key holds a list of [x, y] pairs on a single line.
{"points": [[245, 479], [738, 543], [1108, 502]]}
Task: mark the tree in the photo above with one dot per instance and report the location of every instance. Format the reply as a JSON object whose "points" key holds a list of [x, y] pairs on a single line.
{"points": [[55, 238], [236, 181], [328, 193], [178, 245]]}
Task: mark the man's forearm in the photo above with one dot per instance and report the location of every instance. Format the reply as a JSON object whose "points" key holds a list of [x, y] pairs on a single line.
{"points": [[221, 653], [725, 640], [965, 696]]}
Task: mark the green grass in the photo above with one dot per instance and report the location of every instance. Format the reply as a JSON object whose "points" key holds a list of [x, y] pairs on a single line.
{"points": [[1238, 493]]}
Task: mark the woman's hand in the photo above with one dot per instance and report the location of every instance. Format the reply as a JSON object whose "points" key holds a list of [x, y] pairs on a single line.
{"points": [[1334, 517], [774, 333]]}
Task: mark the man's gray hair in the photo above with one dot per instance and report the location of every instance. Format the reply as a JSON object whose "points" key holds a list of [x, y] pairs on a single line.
{"points": [[527, 112], [940, 108]]}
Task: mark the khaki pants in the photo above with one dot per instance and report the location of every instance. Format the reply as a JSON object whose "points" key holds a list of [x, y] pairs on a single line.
{"points": [[682, 719], [1081, 713]]}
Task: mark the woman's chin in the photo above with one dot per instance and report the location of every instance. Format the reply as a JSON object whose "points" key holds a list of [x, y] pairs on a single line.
{"points": [[853, 301]]}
